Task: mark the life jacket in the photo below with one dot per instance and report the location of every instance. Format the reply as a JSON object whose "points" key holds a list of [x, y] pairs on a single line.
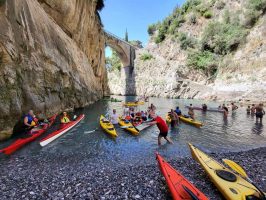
{"points": [[65, 120], [127, 117], [30, 119]]}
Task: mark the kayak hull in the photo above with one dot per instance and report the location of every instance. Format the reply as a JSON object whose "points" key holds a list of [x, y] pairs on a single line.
{"points": [[56, 134], [23, 141], [186, 120], [107, 126], [191, 121], [237, 189], [208, 109], [134, 104], [177, 183], [130, 128]]}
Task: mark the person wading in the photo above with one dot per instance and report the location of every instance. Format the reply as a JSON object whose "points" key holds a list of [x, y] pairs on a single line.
{"points": [[162, 126], [174, 118], [259, 112]]}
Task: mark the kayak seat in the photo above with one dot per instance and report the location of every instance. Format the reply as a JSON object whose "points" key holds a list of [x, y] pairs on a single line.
{"points": [[226, 175], [111, 129]]}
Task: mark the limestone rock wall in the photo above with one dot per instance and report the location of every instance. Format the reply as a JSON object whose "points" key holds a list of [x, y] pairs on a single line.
{"points": [[51, 57]]}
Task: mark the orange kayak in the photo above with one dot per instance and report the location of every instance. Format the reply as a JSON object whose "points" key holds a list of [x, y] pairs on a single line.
{"points": [[180, 187]]}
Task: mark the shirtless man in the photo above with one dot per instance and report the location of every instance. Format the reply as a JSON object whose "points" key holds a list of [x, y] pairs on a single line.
{"points": [[259, 112], [234, 107]]}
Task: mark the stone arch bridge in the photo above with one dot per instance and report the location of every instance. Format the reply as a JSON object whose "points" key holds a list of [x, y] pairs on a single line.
{"points": [[127, 54]]}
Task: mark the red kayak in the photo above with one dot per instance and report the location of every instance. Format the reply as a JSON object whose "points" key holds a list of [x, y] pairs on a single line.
{"points": [[32, 136], [63, 129], [179, 186]]}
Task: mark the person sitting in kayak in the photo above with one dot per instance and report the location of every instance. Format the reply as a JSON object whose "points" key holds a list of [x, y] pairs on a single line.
{"points": [[204, 107], [191, 113], [114, 117], [162, 126], [178, 111], [137, 119], [259, 112], [153, 108], [29, 120], [25, 124], [143, 116], [65, 118], [174, 118]]}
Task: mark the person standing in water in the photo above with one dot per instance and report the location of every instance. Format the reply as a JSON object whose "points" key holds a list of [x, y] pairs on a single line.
{"points": [[234, 107], [259, 112], [248, 110], [226, 111], [162, 126], [204, 107], [174, 118]]}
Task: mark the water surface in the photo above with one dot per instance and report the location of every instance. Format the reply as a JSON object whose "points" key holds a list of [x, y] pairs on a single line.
{"points": [[238, 132]]}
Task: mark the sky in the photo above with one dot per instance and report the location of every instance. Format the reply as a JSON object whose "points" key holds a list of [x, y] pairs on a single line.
{"points": [[135, 16]]}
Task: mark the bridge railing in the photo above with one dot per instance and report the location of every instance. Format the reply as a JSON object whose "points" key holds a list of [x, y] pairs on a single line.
{"points": [[121, 39]]}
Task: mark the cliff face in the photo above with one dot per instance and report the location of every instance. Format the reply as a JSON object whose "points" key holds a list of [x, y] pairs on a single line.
{"points": [[51, 57]]}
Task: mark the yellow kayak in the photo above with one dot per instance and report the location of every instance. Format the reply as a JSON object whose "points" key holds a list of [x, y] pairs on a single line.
{"points": [[130, 128], [190, 121], [132, 104], [107, 126], [231, 185], [184, 119]]}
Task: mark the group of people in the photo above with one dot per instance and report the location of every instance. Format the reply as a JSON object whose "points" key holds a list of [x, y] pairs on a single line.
{"points": [[29, 122], [256, 110]]}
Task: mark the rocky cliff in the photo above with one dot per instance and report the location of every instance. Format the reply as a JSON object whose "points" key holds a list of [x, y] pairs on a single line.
{"points": [[228, 39], [51, 57]]}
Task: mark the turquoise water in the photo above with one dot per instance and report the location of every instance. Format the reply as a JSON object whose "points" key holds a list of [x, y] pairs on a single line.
{"points": [[238, 132]]}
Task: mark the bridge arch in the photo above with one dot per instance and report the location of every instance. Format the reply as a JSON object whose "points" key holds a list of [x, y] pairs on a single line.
{"points": [[126, 53]]}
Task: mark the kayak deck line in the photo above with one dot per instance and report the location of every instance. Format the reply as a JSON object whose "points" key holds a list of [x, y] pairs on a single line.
{"points": [[58, 133]]}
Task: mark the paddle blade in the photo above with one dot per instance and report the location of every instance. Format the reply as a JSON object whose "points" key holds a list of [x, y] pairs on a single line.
{"points": [[236, 167]]}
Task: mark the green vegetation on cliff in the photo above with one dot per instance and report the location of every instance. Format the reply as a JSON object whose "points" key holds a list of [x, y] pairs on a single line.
{"points": [[113, 62], [220, 35]]}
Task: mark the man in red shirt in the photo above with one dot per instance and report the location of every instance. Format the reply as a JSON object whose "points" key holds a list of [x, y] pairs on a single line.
{"points": [[162, 126]]}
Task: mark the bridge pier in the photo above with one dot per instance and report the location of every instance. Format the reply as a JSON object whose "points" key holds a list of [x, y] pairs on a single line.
{"points": [[127, 54]]}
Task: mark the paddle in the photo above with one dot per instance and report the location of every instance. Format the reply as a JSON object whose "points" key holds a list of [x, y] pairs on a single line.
{"points": [[91, 131], [237, 168]]}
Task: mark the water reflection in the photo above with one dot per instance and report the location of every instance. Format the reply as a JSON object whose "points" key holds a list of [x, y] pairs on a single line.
{"points": [[257, 128]]}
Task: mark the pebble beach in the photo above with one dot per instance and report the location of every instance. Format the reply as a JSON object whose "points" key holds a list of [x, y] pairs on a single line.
{"points": [[81, 177]]}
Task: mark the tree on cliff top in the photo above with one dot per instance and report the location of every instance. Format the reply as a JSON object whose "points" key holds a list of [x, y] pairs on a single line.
{"points": [[100, 5], [126, 36]]}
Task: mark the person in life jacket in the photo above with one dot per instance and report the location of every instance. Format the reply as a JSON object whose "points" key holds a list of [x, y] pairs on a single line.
{"points": [[30, 120], [65, 119]]}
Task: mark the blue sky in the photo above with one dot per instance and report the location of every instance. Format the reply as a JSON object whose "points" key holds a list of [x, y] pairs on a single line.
{"points": [[135, 16]]}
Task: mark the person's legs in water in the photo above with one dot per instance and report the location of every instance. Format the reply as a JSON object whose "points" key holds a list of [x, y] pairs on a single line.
{"points": [[159, 140], [168, 140]]}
